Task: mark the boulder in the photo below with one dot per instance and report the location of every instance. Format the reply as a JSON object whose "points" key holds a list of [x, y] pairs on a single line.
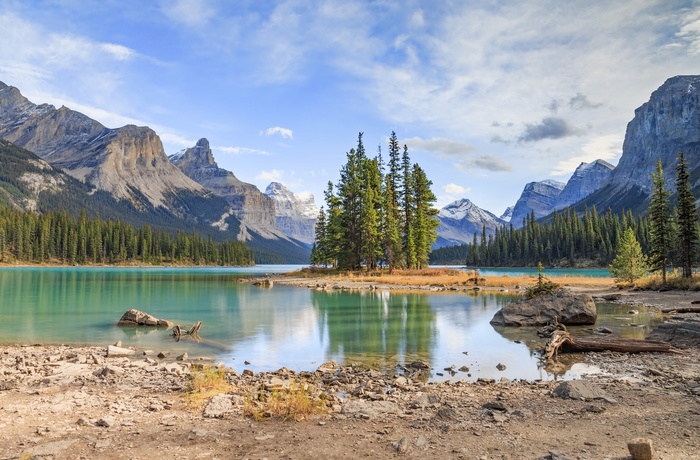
{"points": [[681, 332], [560, 304], [135, 317]]}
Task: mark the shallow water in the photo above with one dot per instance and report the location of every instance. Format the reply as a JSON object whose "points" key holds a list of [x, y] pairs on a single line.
{"points": [[280, 326]]}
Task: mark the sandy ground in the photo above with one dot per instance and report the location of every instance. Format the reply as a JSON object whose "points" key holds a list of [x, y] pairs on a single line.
{"points": [[66, 403]]}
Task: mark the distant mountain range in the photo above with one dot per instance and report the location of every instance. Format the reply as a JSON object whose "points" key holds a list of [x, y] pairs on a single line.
{"points": [[129, 169], [669, 123], [72, 161]]}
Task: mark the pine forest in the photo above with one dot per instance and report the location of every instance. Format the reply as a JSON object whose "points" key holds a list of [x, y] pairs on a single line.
{"points": [[56, 237]]}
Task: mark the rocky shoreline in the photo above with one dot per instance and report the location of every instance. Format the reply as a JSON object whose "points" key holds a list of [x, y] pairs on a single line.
{"points": [[61, 402]]}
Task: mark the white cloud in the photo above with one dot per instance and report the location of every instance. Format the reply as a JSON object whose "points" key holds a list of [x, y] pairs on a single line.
{"points": [[607, 147], [454, 189], [274, 175], [286, 133], [119, 52], [192, 13], [241, 151]]}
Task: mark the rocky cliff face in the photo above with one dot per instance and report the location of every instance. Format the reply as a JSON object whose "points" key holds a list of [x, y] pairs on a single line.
{"points": [[255, 210], [587, 178], [538, 197], [295, 214], [669, 123], [459, 221], [128, 162]]}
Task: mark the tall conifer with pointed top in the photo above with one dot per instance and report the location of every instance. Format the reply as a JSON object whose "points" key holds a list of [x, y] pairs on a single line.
{"points": [[659, 222], [687, 219]]}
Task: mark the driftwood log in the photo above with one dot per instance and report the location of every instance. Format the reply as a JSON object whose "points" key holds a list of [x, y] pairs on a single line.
{"points": [[192, 332], [563, 342]]}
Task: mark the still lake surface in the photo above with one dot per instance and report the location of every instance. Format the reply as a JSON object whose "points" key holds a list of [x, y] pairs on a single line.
{"points": [[280, 326]]}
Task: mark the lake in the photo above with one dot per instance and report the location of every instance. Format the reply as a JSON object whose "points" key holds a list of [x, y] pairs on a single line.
{"points": [[279, 326]]}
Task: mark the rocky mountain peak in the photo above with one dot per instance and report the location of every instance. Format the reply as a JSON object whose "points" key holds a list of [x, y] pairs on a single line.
{"points": [[587, 178], [296, 214], [665, 125], [538, 197], [199, 156], [459, 221], [128, 162]]}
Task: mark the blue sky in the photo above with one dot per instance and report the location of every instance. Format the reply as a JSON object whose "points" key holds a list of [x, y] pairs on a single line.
{"points": [[488, 95]]}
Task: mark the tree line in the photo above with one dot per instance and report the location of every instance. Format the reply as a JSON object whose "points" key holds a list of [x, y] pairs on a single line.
{"points": [[669, 236], [377, 215], [57, 237]]}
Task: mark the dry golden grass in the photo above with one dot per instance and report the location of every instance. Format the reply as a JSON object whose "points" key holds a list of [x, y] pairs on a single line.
{"points": [[295, 402], [674, 281], [204, 383], [451, 277]]}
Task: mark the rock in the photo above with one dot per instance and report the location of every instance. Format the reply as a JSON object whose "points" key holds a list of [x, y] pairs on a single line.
{"points": [[218, 407], [135, 317], [118, 352], [501, 367], [556, 455], [7, 385], [105, 422], [566, 307], [420, 364], [248, 372], [581, 389], [401, 446], [641, 449], [424, 400], [681, 332], [329, 367], [367, 409], [182, 357]]}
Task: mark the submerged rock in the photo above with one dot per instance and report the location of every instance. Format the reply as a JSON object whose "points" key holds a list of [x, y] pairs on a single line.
{"points": [[560, 305], [136, 317]]}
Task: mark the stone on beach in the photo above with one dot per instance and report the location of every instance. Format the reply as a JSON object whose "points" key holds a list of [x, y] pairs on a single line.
{"points": [[560, 305]]}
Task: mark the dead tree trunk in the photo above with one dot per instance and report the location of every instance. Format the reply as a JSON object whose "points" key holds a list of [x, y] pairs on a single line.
{"points": [[563, 342]]}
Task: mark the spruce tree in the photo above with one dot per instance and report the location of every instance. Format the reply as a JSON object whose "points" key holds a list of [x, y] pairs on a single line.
{"points": [[629, 263], [659, 223], [687, 237], [425, 223]]}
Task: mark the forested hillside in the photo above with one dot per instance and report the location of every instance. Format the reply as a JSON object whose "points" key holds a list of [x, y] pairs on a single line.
{"points": [[56, 237]]}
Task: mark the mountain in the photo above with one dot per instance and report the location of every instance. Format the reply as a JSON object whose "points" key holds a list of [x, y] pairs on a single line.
{"points": [[665, 125], [255, 210], [295, 214], [507, 214], [130, 165], [538, 197], [459, 221], [29, 183], [587, 178]]}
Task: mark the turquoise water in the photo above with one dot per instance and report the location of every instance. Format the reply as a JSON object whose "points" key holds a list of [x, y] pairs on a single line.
{"points": [[270, 327]]}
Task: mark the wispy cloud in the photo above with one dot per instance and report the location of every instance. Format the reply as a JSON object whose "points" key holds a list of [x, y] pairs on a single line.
{"points": [[285, 133], [193, 13], [274, 175], [241, 151]]}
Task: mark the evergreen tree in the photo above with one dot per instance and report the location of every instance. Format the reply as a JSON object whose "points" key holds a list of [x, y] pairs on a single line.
{"points": [[687, 219], [425, 219], [659, 223], [408, 204], [629, 263], [392, 190]]}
